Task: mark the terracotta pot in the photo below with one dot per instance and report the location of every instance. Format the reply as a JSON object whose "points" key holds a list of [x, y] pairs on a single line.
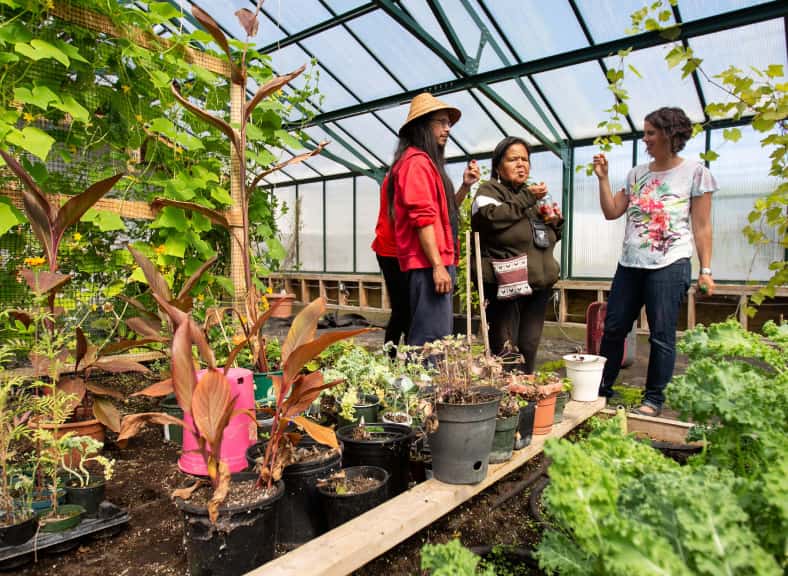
{"points": [[92, 428], [285, 309], [545, 413]]}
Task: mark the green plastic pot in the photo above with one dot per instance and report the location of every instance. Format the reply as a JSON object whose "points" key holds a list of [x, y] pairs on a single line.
{"points": [[172, 432], [263, 385], [560, 404], [73, 516]]}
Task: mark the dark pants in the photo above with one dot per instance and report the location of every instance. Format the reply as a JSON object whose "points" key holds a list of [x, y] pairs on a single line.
{"points": [[518, 321], [661, 291], [431, 314], [397, 288]]}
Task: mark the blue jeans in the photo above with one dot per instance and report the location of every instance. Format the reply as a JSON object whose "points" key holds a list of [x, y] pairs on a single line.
{"points": [[431, 314], [661, 291]]}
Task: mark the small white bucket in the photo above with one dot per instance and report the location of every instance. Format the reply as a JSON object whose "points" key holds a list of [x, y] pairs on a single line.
{"points": [[585, 372]]}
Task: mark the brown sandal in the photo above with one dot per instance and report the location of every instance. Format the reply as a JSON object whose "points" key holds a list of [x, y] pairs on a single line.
{"points": [[650, 410]]}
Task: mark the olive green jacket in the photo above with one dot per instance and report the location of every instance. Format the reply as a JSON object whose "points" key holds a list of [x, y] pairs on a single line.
{"points": [[502, 217]]}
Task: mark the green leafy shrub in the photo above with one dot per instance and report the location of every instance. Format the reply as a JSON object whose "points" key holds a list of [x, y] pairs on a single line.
{"points": [[451, 559]]}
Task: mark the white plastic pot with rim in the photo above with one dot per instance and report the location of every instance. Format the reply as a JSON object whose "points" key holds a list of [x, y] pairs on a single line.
{"points": [[585, 372]]}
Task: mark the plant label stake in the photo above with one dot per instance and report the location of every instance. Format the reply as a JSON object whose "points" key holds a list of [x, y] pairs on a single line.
{"points": [[480, 283], [468, 285]]}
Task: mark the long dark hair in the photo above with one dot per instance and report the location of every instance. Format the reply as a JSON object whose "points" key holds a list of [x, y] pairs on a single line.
{"points": [[500, 152], [419, 134]]}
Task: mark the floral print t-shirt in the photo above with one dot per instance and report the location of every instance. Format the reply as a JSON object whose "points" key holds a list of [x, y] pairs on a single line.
{"points": [[658, 216]]}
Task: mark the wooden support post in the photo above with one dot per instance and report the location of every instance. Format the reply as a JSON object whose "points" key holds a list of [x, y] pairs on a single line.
{"points": [[305, 291], [321, 285], [562, 306], [643, 318], [363, 301], [600, 295], [237, 241], [480, 282], [385, 303]]}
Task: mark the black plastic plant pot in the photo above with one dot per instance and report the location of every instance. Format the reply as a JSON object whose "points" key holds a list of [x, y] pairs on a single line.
{"points": [[243, 538], [339, 508], [72, 516], [20, 532], [388, 448], [172, 432], [300, 517], [525, 426], [89, 497]]}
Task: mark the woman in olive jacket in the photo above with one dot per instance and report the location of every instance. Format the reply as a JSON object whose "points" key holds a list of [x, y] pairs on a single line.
{"points": [[512, 220]]}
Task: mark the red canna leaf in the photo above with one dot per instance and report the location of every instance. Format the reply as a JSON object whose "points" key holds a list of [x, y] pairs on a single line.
{"points": [[156, 390], [140, 307], [293, 160], [106, 413], [303, 327], [82, 347], [131, 425], [194, 278], [305, 352], [103, 391], [120, 365], [70, 213], [228, 130], [248, 20], [213, 29], [212, 405], [198, 337], [321, 434], [155, 280], [183, 377], [123, 345], [146, 327], [42, 282], [74, 386], [305, 390], [221, 488], [270, 87]]}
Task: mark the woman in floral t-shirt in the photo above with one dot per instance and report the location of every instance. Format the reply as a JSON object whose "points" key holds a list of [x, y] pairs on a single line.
{"points": [[668, 204]]}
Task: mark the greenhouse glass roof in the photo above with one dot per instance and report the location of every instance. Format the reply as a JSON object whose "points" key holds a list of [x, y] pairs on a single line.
{"points": [[514, 67]]}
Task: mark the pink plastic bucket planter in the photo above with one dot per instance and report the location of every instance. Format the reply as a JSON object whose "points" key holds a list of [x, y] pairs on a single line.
{"points": [[240, 433]]}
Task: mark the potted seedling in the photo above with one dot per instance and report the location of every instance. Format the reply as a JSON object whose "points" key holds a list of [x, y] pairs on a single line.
{"points": [[83, 487], [505, 428], [541, 388]]}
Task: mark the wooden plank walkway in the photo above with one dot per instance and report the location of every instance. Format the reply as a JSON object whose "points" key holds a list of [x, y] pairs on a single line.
{"points": [[366, 537]]}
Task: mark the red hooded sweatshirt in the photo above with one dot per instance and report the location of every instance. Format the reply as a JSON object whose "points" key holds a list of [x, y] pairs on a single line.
{"points": [[420, 200]]}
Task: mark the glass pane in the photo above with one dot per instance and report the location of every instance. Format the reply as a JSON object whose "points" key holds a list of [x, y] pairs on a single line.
{"points": [[548, 168], [409, 61], [292, 57], [339, 225], [694, 9], [309, 13], [742, 172], [421, 12], [358, 158], [340, 6], [373, 133], [510, 126], [609, 19], [285, 222], [325, 165], [536, 28], [512, 93], [596, 242], [579, 96], [757, 45], [465, 29], [490, 60], [475, 131], [367, 205], [278, 177], [659, 85], [347, 59], [310, 200]]}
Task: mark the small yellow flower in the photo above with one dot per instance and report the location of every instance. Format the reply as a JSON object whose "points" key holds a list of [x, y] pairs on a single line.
{"points": [[269, 290], [159, 249], [138, 118], [28, 117], [93, 307], [34, 261], [72, 148], [178, 150], [200, 297], [238, 338], [77, 236], [264, 303], [107, 307], [125, 88]]}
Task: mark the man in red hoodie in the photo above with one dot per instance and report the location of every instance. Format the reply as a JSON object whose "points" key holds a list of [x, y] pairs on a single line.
{"points": [[423, 206]]}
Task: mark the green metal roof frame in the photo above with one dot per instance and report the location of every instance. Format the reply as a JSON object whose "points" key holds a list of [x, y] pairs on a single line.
{"points": [[465, 66]]}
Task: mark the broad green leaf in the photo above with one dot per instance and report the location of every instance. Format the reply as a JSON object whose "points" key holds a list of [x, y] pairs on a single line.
{"points": [[71, 51], [225, 283], [732, 134], [163, 126], [189, 142], [7, 58], [171, 218], [175, 245], [39, 97], [709, 156], [10, 216], [71, 106], [104, 220], [774, 70], [165, 10], [221, 195], [41, 49], [14, 32], [9, 3], [33, 140], [288, 140], [675, 56]]}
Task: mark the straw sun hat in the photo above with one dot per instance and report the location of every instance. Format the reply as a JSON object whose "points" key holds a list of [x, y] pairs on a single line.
{"points": [[425, 103]]}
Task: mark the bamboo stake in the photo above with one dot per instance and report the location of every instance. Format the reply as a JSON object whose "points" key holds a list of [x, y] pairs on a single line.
{"points": [[468, 286], [480, 282]]}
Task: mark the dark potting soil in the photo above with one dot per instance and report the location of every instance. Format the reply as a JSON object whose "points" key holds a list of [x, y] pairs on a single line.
{"points": [[241, 493], [459, 396], [356, 485], [315, 453]]}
